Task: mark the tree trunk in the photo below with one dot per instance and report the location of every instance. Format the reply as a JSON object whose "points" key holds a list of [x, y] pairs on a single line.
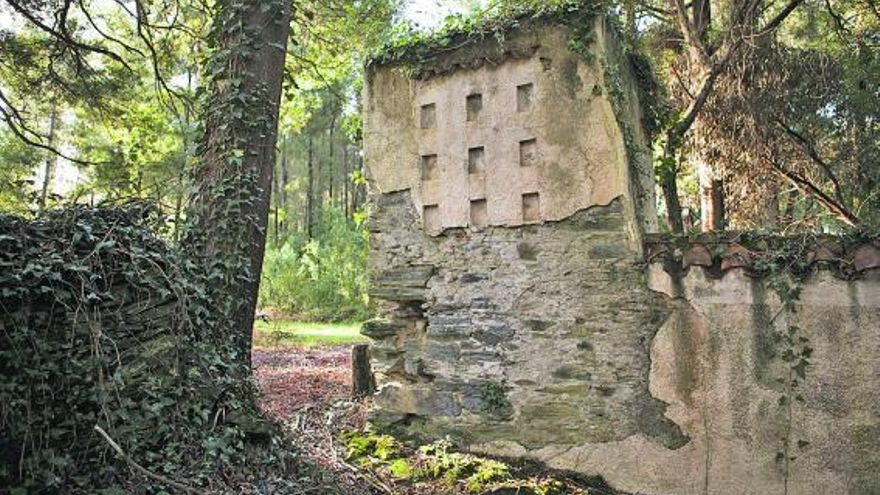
{"points": [[51, 160], [362, 379], [345, 183], [310, 196], [711, 192], [229, 210], [181, 191], [629, 8], [282, 185], [331, 163], [719, 216], [274, 198], [359, 195], [673, 205]]}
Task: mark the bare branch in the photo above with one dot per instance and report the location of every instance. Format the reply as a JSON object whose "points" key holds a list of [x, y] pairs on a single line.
{"points": [[16, 124], [779, 19], [811, 151], [803, 184], [64, 37], [144, 471], [106, 36]]}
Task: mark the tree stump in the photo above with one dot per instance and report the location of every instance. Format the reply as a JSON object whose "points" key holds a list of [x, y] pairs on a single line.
{"points": [[363, 383]]}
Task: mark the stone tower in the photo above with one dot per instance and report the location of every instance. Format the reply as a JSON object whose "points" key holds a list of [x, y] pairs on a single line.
{"points": [[511, 189]]}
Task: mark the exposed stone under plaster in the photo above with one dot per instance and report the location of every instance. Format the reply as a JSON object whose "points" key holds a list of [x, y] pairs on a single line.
{"points": [[518, 314]]}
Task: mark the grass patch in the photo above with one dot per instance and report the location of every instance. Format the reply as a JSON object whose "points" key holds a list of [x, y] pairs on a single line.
{"points": [[285, 332]]}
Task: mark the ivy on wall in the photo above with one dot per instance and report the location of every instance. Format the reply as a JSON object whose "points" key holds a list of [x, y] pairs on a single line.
{"points": [[101, 323]]}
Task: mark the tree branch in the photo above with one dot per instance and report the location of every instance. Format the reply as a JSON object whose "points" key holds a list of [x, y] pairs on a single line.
{"points": [[689, 32], [811, 151], [15, 123], [779, 19], [809, 189], [144, 471], [64, 37]]}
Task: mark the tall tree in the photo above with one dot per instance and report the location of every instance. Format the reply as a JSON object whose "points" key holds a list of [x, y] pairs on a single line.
{"points": [[806, 103], [704, 59], [229, 210]]}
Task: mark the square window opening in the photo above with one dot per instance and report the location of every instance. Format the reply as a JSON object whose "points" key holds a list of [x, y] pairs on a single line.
{"points": [[428, 119], [430, 168], [479, 213], [531, 207], [474, 105], [524, 97], [477, 160], [528, 153]]}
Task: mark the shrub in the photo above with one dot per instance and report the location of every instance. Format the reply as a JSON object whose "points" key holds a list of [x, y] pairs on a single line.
{"points": [[323, 278]]}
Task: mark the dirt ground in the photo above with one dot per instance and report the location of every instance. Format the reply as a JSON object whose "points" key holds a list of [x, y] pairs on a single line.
{"points": [[308, 390]]}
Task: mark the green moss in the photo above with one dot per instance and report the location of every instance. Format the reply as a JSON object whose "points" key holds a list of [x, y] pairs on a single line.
{"points": [[418, 53], [495, 402]]}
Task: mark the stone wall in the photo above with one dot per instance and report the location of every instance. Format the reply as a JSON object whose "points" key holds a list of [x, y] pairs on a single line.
{"points": [[540, 333]]}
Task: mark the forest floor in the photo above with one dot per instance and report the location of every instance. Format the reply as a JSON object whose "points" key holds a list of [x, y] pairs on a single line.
{"points": [[303, 372], [306, 386]]}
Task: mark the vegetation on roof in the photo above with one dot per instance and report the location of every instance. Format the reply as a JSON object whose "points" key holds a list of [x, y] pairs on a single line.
{"points": [[419, 53], [414, 48], [848, 255]]}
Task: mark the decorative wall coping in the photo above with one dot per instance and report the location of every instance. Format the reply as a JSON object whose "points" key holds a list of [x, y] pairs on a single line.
{"points": [[848, 256]]}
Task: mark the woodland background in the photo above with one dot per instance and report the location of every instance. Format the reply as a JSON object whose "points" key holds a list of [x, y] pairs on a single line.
{"points": [[168, 166]]}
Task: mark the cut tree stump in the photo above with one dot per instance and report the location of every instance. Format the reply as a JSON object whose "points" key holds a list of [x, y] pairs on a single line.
{"points": [[363, 383]]}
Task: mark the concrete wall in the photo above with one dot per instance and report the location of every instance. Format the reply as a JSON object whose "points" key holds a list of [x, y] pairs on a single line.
{"points": [[550, 338]]}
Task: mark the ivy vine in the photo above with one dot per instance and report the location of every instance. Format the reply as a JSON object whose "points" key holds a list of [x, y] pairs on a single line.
{"points": [[784, 274]]}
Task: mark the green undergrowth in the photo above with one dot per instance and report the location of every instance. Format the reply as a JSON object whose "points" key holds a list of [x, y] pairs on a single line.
{"points": [[285, 332], [323, 278], [438, 467]]}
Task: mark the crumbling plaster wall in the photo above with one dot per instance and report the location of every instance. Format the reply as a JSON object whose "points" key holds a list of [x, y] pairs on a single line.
{"points": [[716, 365], [524, 118], [552, 339]]}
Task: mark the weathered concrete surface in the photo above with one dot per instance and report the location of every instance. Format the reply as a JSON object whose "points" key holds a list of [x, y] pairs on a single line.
{"points": [[716, 364], [534, 136]]}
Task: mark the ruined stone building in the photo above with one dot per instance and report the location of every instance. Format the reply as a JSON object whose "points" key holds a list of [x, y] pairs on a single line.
{"points": [[525, 311]]}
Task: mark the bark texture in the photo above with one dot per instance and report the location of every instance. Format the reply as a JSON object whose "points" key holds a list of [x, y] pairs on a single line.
{"points": [[230, 207]]}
